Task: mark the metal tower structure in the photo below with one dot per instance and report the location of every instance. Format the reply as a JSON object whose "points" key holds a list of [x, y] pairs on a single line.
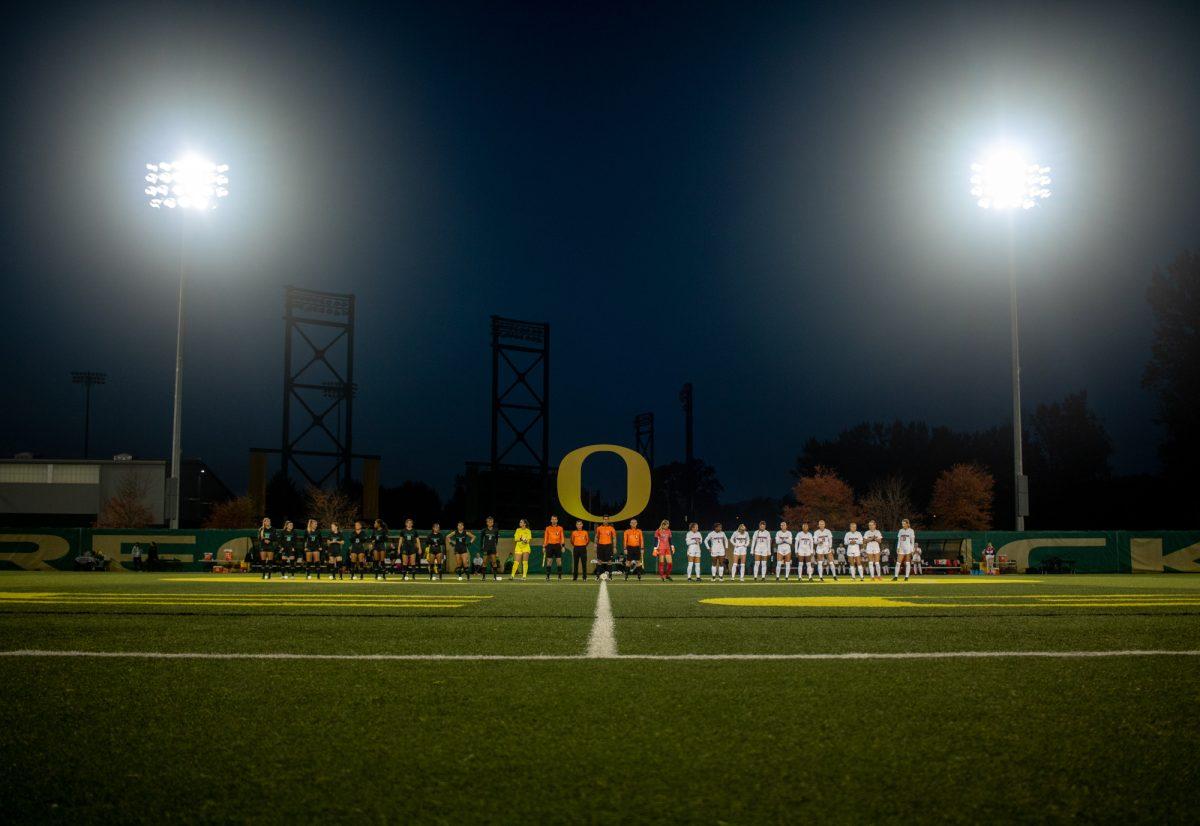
{"points": [[643, 436], [520, 402], [318, 354], [87, 378]]}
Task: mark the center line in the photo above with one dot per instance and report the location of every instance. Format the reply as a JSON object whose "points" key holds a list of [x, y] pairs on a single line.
{"points": [[602, 643]]}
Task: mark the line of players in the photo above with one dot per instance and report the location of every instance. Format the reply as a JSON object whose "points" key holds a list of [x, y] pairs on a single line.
{"points": [[372, 550], [811, 549]]}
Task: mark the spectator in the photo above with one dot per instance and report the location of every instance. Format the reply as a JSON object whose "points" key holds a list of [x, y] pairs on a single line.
{"points": [[85, 561], [137, 556], [152, 557]]}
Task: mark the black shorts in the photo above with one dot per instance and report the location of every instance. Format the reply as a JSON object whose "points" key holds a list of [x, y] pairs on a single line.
{"points": [[633, 554], [553, 551], [604, 553], [489, 552]]}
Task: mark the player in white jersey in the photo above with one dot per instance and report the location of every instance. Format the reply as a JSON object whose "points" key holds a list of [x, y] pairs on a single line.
{"points": [[804, 551], [760, 546], [854, 541], [740, 539], [717, 543], [918, 562], [783, 551], [693, 540], [873, 537], [823, 539], [905, 540]]}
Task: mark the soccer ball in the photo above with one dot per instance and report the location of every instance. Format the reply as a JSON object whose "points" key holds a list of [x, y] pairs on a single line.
{"points": [[604, 575], [460, 579]]}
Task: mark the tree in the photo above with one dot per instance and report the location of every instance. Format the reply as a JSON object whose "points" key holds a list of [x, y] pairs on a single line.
{"points": [[411, 500], [1070, 445], [284, 499], [233, 514], [962, 499], [1173, 371], [127, 507], [330, 506], [669, 492], [822, 495], [888, 501]]}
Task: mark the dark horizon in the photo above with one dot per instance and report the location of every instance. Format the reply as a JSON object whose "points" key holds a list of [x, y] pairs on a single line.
{"points": [[785, 187]]}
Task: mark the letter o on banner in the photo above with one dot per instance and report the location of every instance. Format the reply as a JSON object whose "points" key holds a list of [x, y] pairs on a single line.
{"points": [[570, 482]]}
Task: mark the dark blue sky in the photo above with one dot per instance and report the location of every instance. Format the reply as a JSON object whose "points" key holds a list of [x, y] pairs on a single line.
{"points": [[768, 200]]}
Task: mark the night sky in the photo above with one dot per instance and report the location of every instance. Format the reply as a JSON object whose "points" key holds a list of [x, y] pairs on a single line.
{"points": [[768, 200]]}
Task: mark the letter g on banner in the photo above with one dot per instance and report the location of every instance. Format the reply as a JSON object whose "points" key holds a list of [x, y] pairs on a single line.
{"points": [[570, 482]]}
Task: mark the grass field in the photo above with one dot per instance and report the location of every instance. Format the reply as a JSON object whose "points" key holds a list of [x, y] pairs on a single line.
{"points": [[962, 698]]}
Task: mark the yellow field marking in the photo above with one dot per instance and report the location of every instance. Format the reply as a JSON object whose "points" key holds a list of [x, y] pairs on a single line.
{"points": [[244, 604], [811, 602], [280, 596], [356, 583], [888, 602]]}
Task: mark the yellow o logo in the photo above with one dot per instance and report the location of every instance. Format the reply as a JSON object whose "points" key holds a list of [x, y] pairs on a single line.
{"points": [[570, 482]]}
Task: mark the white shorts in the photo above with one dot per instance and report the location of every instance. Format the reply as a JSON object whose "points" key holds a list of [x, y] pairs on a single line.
{"points": [[903, 553], [693, 551], [717, 554], [853, 554], [763, 554], [784, 550], [872, 553], [805, 553]]}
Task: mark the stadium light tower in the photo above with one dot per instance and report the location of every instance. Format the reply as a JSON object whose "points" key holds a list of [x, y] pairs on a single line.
{"points": [[1006, 180], [87, 378], [196, 184]]}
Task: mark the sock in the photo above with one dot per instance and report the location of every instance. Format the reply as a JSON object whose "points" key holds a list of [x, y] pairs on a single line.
{"points": [[907, 568], [787, 569], [525, 568]]}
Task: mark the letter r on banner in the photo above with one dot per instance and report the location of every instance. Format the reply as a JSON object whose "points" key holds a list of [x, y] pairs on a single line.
{"points": [[570, 482]]}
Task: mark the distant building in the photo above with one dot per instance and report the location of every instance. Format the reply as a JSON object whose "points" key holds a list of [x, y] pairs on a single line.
{"points": [[38, 492]]}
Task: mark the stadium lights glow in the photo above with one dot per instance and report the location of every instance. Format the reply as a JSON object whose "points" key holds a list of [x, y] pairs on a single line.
{"points": [[1006, 179], [192, 182]]}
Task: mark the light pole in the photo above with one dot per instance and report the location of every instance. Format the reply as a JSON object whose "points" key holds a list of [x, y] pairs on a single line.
{"points": [[87, 379], [190, 183], [1006, 180]]}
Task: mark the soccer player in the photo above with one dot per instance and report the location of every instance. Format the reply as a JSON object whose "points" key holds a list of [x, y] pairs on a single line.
{"points": [[288, 542], [693, 540], [522, 537], [579, 546], [854, 541], [664, 551], [804, 552], [435, 551], [783, 550], [717, 543], [606, 539], [379, 548], [312, 549], [461, 539], [905, 540], [552, 547], [989, 558], [409, 547], [634, 544], [918, 564], [333, 552], [266, 547], [489, 543], [823, 539], [740, 539], [873, 537], [358, 550], [760, 547]]}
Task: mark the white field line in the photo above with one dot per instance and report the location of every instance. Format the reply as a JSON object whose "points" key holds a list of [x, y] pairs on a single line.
{"points": [[602, 642], [900, 655]]}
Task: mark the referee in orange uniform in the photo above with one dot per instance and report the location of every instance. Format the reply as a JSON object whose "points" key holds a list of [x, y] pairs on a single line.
{"points": [[634, 545], [579, 543], [552, 546], [606, 537]]}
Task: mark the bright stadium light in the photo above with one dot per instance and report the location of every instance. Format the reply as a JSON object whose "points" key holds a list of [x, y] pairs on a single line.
{"points": [[190, 183], [1006, 179]]}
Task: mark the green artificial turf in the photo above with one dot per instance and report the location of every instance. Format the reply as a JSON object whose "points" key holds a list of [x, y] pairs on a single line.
{"points": [[1096, 739]]}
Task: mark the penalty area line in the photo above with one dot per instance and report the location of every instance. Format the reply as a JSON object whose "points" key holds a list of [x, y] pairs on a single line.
{"points": [[602, 642], [898, 655]]}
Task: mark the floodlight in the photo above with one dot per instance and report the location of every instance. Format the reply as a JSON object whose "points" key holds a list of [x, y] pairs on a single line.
{"points": [[192, 182], [1006, 179]]}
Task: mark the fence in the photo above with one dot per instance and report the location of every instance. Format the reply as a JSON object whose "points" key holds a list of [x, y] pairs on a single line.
{"points": [[50, 549]]}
